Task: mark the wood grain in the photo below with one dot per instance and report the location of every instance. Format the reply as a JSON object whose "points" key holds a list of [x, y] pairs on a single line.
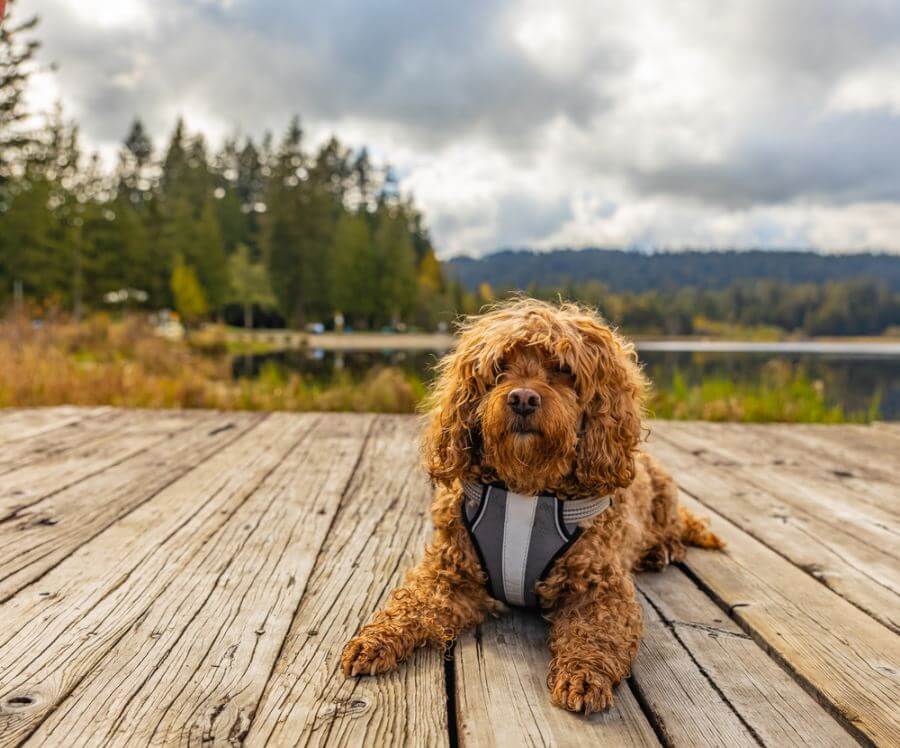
{"points": [[848, 660], [34, 469], [192, 669], [54, 633], [791, 515], [808, 455], [501, 692], [708, 683], [48, 530], [24, 423], [378, 533], [64, 436], [175, 578]]}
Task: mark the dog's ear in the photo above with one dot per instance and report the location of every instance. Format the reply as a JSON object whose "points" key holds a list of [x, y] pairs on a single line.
{"points": [[613, 387], [451, 444]]}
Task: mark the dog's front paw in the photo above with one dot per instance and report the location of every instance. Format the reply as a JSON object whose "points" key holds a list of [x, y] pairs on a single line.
{"points": [[369, 654], [580, 689]]}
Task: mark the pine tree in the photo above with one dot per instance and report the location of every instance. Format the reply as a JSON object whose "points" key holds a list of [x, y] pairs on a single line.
{"points": [[300, 217], [174, 166], [135, 160], [232, 218], [207, 255], [355, 280], [362, 177], [395, 266], [16, 51], [250, 186]]}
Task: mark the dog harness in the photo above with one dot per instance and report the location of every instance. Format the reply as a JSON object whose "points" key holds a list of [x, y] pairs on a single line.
{"points": [[518, 537]]}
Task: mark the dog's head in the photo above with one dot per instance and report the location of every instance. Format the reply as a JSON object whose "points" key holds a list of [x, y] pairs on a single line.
{"points": [[543, 398]]}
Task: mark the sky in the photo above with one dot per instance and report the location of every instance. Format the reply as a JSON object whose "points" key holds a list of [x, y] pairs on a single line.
{"points": [[652, 124]]}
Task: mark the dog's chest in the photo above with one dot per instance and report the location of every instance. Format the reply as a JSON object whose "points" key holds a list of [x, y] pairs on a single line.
{"points": [[519, 537]]}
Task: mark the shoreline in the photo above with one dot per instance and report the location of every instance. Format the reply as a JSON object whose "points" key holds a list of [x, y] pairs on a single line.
{"points": [[379, 341]]}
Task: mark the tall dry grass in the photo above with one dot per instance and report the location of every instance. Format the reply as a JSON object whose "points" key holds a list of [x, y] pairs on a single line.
{"points": [[103, 361], [123, 362]]}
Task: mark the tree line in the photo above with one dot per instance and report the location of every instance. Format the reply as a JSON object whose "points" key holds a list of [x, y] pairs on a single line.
{"points": [[669, 270], [270, 224], [858, 306]]}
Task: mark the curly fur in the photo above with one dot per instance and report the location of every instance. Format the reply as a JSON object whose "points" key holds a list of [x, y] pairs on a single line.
{"points": [[582, 441]]}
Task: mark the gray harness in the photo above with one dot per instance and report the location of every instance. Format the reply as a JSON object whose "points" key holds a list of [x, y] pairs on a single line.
{"points": [[519, 537]]}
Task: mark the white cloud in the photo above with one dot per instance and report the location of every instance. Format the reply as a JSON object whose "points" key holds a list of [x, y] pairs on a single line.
{"points": [[874, 86], [120, 14], [518, 122]]}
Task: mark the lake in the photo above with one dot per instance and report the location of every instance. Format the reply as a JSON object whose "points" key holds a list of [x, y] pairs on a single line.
{"points": [[851, 375]]}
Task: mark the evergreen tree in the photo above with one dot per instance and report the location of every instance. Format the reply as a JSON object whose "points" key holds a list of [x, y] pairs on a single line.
{"points": [[16, 51], [135, 161], [250, 186], [232, 218], [301, 212], [395, 266], [355, 279], [331, 170], [362, 175], [206, 254], [174, 166]]}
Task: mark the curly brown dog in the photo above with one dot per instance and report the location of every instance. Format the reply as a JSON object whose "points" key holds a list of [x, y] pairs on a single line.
{"points": [[538, 401]]}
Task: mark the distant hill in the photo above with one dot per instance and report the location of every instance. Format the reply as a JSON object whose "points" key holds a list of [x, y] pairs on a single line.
{"points": [[636, 271]]}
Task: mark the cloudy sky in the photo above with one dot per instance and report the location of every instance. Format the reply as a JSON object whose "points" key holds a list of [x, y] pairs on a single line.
{"points": [[660, 123]]}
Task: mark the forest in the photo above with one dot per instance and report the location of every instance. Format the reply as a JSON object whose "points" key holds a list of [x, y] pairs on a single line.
{"points": [[680, 293], [270, 223]]}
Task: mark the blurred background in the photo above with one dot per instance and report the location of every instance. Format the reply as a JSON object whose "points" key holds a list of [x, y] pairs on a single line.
{"points": [[261, 205]]}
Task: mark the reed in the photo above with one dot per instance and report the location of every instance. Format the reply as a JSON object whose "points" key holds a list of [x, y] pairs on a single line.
{"points": [[123, 362]]}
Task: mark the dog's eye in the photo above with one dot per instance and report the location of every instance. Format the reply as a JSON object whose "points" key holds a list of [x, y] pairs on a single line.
{"points": [[564, 372]]}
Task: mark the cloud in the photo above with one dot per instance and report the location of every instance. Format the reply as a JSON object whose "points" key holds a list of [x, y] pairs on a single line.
{"points": [[521, 122], [844, 158]]}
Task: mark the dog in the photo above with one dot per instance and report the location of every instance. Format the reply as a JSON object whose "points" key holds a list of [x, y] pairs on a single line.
{"points": [[542, 498]]}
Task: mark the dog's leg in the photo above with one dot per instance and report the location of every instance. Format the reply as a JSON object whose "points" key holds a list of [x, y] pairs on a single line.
{"points": [[440, 597], [593, 640]]}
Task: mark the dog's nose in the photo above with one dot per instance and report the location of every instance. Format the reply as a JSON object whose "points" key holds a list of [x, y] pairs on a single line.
{"points": [[523, 401]]}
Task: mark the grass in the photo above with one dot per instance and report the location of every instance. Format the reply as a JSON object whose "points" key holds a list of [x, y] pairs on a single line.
{"points": [[124, 363], [782, 394]]}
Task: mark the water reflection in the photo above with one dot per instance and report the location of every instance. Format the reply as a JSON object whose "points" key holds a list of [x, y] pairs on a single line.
{"points": [[851, 381]]}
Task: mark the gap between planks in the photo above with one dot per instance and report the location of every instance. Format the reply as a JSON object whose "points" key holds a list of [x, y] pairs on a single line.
{"points": [[789, 523]]}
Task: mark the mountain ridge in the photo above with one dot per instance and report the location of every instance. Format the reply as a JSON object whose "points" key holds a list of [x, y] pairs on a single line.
{"points": [[637, 271]]}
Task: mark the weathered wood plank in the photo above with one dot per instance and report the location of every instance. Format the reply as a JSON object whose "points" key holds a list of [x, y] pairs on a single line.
{"points": [[688, 709], [63, 457], [192, 669], [790, 519], [48, 530], [801, 456], [378, 533], [25, 423], [863, 453], [709, 683], [54, 634], [847, 659], [502, 696], [50, 443]]}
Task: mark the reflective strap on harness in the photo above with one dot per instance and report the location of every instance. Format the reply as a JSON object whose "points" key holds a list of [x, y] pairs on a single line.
{"points": [[519, 537]]}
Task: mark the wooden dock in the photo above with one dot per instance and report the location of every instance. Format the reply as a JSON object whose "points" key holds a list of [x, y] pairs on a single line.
{"points": [[191, 577]]}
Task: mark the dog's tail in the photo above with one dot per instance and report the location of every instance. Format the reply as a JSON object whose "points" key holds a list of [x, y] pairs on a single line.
{"points": [[696, 531]]}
